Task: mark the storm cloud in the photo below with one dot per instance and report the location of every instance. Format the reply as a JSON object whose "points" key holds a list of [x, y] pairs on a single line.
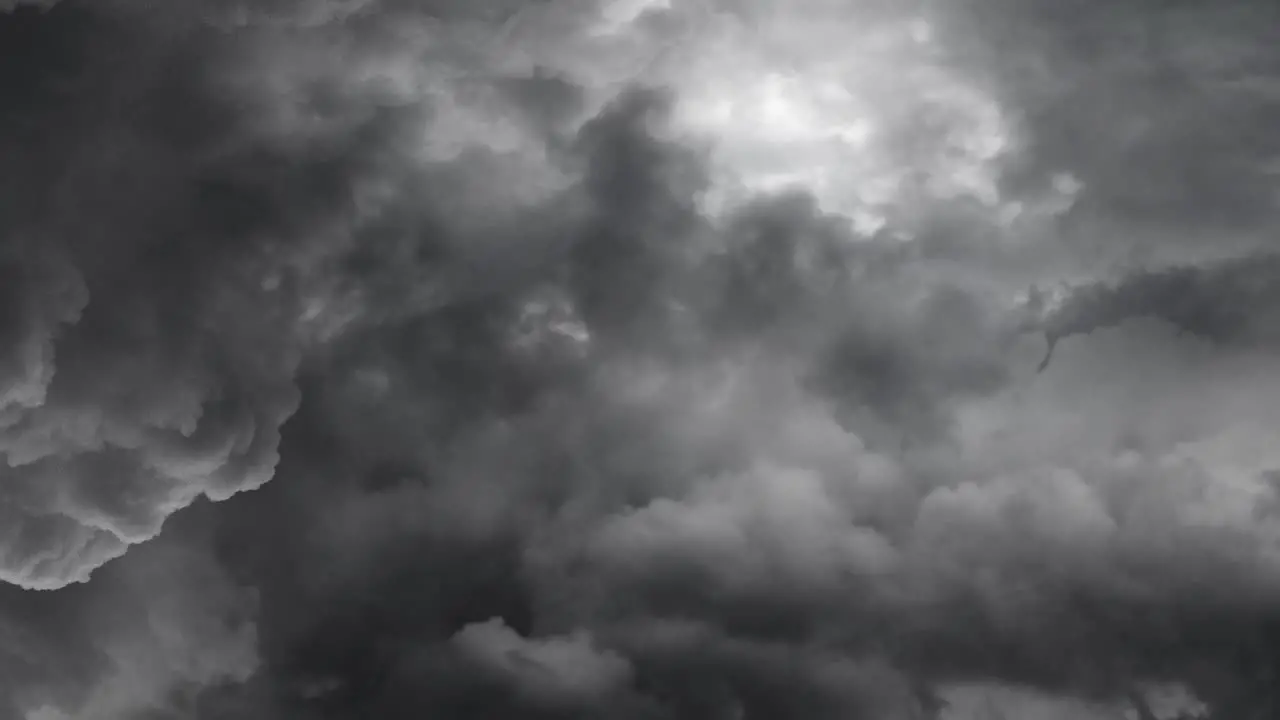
{"points": [[650, 360]]}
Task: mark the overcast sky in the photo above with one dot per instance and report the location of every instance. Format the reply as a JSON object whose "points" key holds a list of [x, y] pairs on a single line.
{"points": [[639, 360]]}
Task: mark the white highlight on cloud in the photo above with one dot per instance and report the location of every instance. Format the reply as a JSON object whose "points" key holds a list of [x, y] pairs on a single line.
{"points": [[863, 113]]}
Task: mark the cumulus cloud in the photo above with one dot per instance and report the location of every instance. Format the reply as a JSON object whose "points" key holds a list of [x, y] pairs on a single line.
{"points": [[133, 383], [168, 623], [550, 670], [636, 360]]}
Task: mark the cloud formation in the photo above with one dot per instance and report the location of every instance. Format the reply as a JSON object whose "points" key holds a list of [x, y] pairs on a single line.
{"points": [[149, 354], [1229, 301], [636, 360]]}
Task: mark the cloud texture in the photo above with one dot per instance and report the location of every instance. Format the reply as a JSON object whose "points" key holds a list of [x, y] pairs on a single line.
{"points": [[650, 360]]}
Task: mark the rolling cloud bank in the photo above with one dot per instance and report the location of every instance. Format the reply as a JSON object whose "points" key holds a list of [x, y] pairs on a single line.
{"points": [[639, 359]]}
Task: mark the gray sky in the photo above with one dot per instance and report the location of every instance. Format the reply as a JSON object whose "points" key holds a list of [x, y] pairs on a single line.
{"points": [[639, 359]]}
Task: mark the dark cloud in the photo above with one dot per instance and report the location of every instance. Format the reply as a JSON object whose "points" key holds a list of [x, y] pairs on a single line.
{"points": [[1231, 302], [11, 5], [1162, 110], [132, 386], [536, 427]]}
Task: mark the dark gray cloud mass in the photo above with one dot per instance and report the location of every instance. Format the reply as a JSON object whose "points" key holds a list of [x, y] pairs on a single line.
{"points": [[1232, 301], [653, 360]]}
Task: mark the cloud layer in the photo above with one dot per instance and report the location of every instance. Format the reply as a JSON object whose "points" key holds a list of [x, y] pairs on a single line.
{"points": [[637, 360]]}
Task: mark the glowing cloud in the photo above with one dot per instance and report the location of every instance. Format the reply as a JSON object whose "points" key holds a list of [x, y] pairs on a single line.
{"points": [[865, 117]]}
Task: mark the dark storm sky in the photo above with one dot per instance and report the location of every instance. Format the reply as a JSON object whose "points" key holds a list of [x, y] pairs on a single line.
{"points": [[654, 360]]}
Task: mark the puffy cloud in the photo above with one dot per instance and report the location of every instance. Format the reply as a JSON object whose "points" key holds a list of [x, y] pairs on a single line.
{"points": [[169, 623], [548, 670], [1162, 180], [134, 381], [579, 396]]}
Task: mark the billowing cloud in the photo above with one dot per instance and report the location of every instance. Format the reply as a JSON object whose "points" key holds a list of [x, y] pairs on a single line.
{"points": [[1230, 301], [651, 360], [552, 670], [134, 381]]}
